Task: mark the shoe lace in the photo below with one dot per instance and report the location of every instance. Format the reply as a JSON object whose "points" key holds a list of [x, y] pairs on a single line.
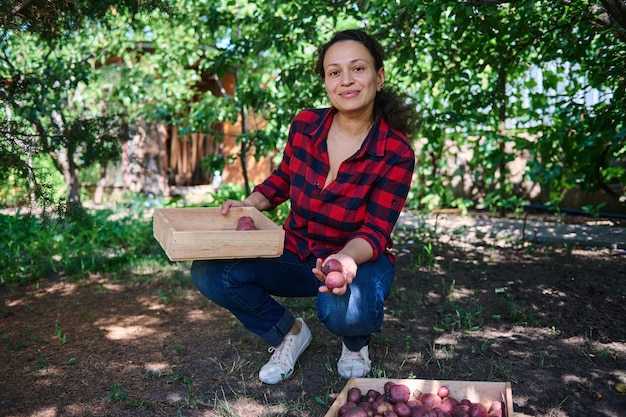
{"points": [[280, 353]]}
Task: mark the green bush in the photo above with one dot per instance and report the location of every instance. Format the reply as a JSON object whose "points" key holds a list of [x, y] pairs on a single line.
{"points": [[92, 242]]}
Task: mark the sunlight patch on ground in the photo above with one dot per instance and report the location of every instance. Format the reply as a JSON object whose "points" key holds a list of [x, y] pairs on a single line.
{"points": [[15, 303], [446, 339], [574, 380], [46, 412], [152, 303], [133, 327], [198, 316], [175, 397], [247, 407], [112, 287], [62, 288], [45, 373], [156, 368], [461, 293]]}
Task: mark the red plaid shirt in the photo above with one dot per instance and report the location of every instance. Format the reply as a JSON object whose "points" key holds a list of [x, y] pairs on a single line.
{"points": [[364, 201]]}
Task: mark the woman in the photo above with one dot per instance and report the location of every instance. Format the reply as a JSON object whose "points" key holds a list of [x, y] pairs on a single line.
{"points": [[347, 171]]}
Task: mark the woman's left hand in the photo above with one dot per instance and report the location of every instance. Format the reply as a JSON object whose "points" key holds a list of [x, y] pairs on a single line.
{"points": [[348, 270]]}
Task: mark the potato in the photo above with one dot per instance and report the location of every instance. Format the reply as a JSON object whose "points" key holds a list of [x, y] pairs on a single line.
{"points": [[366, 405], [412, 403], [487, 404], [381, 406], [443, 392], [495, 413], [331, 265], [344, 407], [335, 279], [354, 395], [496, 405], [460, 411], [448, 404], [477, 410], [402, 410], [388, 386], [372, 395], [246, 223], [398, 393], [430, 399], [355, 411]]}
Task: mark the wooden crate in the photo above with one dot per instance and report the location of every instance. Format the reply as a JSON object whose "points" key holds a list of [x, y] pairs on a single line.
{"points": [[475, 391], [205, 233]]}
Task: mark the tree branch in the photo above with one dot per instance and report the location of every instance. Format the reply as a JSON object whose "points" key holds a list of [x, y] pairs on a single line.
{"points": [[616, 10], [17, 9]]}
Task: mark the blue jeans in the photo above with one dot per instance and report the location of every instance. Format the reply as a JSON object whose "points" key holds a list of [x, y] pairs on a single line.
{"points": [[245, 287]]}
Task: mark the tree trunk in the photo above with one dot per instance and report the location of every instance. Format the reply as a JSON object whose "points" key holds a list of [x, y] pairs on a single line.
{"points": [[70, 173], [502, 130]]}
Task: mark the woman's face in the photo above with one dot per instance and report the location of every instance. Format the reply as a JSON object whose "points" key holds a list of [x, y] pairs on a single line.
{"points": [[350, 77]]}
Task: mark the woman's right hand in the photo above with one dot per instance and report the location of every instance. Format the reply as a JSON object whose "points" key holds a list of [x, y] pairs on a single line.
{"points": [[226, 205]]}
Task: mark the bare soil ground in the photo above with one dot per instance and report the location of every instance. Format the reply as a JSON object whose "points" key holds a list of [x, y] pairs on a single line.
{"points": [[549, 319]]}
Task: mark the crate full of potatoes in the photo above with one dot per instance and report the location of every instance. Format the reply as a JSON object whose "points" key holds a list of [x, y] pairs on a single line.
{"points": [[363, 397]]}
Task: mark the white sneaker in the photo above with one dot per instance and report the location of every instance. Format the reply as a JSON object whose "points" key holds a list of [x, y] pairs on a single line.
{"points": [[280, 366], [354, 364]]}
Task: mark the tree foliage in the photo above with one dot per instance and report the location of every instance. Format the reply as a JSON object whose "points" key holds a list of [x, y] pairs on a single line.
{"points": [[492, 80]]}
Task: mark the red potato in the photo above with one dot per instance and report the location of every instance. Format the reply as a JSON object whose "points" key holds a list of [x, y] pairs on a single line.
{"points": [[372, 394], [246, 223], [354, 395], [381, 406], [495, 413], [496, 405], [335, 279], [398, 393], [443, 392], [388, 386], [448, 404], [460, 411], [487, 404], [412, 403], [430, 399], [420, 411], [477, 410], [365, 405], [355, 411], [402, 410], [331, 265], [342, 410]]}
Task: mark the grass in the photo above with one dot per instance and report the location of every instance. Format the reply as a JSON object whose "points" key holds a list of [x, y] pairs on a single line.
{"points": [[116, 241]]}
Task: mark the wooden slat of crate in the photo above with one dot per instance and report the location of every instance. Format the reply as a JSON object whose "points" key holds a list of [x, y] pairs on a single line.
{"points": [[205, 233], [475, 391]]}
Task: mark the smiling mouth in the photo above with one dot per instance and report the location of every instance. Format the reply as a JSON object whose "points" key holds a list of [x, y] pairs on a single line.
{"points": [[349, 94]]}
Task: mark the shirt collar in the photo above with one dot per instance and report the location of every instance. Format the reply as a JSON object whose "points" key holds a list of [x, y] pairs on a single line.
{"points": [[374, 143]]}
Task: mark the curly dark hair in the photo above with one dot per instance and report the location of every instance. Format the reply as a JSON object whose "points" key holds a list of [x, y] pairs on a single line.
{"points": [[395, 108]]}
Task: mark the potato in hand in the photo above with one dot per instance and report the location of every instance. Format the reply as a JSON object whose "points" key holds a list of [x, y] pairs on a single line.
{"points": [[331, 265], [334, 279]]}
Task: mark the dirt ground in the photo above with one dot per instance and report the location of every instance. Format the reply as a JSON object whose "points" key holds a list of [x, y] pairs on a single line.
{"points": [[551, 320]]}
